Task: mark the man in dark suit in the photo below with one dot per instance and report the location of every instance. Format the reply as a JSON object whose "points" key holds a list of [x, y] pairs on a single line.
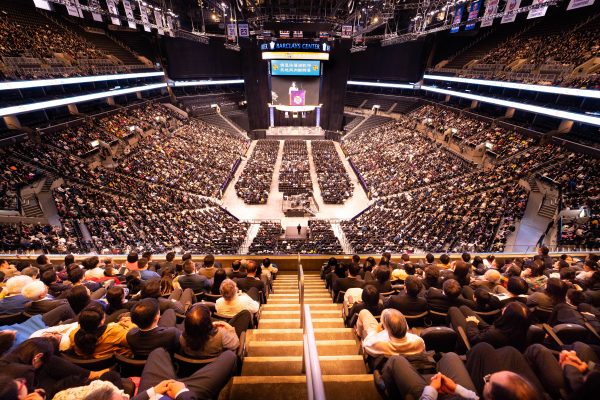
{"points": [[152, 331], [352, 281], [158, 378], [450, 296], [236, 272], [250, 281], [409, 302], [191, 280]]}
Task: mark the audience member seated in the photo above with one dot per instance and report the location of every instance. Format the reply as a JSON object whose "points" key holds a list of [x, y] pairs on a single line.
{"points": [[153, 329], [191, 280], [450, 296], [409, 302], [389, 338], [13, 302], [233, 302]]}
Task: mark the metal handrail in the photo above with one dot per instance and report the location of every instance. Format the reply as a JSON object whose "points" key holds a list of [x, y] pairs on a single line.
{"points": [[314, 378], [301, 290]]}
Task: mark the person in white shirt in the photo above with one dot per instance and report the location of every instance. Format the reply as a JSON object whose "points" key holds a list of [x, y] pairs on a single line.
{"points": [[233, 301], [388, 338]]}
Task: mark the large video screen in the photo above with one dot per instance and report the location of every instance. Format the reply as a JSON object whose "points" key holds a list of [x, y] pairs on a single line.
{"points": [[295, 91], [295, 68]]}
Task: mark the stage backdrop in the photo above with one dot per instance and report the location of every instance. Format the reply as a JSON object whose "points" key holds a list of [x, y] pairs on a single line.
{"points": [[192, 60], [403, 62]]}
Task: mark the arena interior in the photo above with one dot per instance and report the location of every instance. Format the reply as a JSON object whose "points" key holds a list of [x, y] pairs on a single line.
{"points": [[342, 199]]}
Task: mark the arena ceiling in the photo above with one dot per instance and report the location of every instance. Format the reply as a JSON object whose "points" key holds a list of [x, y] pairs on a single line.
{"points": [[373, 16]]}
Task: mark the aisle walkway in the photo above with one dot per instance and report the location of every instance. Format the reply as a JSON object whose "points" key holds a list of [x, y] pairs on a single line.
{"points": [[531, 227]]}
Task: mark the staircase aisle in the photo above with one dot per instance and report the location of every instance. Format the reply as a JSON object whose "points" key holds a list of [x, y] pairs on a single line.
{"points": [[273, 366]]}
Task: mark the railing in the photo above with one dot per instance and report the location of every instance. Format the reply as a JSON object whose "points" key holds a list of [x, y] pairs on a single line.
{"points": [[310, 355]]}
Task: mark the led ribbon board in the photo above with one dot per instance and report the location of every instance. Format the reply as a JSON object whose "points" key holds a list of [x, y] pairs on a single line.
{"points": [[205, 83], [71, 81], [593, 94], [23, 108], [587, 119], [383, 84]]}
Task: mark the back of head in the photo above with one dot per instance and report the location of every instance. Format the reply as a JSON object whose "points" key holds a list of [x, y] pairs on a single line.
{"points": [[410, 268], [76, 274], [32, 272], [517, 285], [251, 267], [114, 297], [132, 257], [461, 269], [35, 290], [432, 275], [356, 259], [69, 259], [382, 274], [197, 326], [266, 262], [353, 269], [16, 284], [143, 263], [452, 288], [413, 286], [405, 258], [151, 289], [466, 257], [144, 312], [189, 267], [209, 261], [332, 262], [186, 256], [506, 385], [147, 255], [228, 289], [236, 265], [220, 276], [370, 296], [482, 296], [445, 259], [429, 258], [91, 328], [170, 256], [515, 320], [492, 276], [78, 298], [8, 388], [42, 259], [27, 350], [48, 277], [557, 290], [394, 323]]}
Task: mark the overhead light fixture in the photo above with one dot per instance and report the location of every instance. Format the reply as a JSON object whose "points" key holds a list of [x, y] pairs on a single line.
{"points": [[357, 49], [234, 46]]}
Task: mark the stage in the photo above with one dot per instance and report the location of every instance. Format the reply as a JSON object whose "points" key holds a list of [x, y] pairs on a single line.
{"points": [[296, 132]]}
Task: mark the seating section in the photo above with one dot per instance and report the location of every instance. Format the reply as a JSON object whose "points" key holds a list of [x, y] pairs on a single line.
{"points": [[14, 176], [333, 179], [320, 240], [38, 238], [294, 174], [411, 160], [254, 184], [34, 46], [468, 130]]}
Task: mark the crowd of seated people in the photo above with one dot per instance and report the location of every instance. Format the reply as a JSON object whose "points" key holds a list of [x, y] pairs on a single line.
{"points": [[578, 180], [412, 160], [43, 42], [13, 177], [294, 174], [158, 221], [489, 309], [197, 158], [571, 48], [254, 184], [37, 237], [142, 310], [320, 239], [333, 179], [471, 131]]}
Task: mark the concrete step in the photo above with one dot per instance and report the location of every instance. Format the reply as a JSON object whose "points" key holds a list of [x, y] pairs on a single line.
{"points": [[337, 387], [330, 365], [295, 348], [295, 322], [283, 314], [296, 307], [278, 295], [297, 334], [292, 300]]}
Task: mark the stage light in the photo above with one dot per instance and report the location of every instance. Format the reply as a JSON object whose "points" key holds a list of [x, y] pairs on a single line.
{"points": [[566, 115], [70, 81], [589, 93]]}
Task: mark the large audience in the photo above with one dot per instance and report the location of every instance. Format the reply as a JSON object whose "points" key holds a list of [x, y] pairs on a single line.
{"points": [[320, 239], [471, 131], [14, 176], [411, 159], [294, 174], [333, 179], [489, 310], [254, 184]]}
